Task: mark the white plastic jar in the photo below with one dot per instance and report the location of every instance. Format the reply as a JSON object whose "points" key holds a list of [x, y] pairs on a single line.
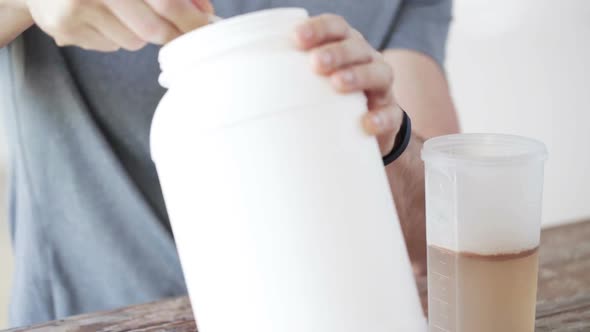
{"points": [[278, 200]]}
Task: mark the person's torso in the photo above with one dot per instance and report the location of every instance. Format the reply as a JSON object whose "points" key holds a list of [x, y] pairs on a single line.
{"points": [[89, 225], [122, 91]]}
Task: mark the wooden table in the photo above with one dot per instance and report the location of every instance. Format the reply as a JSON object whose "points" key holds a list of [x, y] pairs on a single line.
{"points": [[563, 301]]}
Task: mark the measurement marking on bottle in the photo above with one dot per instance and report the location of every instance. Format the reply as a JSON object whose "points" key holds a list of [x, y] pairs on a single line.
{"points": [[440, 328], [440, 300], [441, 275], [441, 285]]}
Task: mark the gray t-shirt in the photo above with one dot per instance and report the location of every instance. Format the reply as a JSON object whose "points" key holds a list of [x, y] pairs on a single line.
{"points": [[89, 226]]}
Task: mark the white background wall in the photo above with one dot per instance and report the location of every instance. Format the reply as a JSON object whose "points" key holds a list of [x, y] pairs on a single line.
{"points": [[519, 67], [523, 67]]}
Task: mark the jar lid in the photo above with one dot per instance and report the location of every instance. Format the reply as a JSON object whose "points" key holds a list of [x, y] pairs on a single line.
{"points": [[215, 39]]}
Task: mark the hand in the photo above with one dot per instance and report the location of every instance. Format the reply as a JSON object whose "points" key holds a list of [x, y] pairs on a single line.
{"points": [[342, 53], [108, 25]]}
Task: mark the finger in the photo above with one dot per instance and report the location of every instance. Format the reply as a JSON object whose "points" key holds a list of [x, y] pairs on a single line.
{"points": [[110, 26], [331, 57], [143, 21], [380, 99], [204, 5], [88, 38], [320, 30], [356, 34], [373, 77], [383, 123], [182, 13]]}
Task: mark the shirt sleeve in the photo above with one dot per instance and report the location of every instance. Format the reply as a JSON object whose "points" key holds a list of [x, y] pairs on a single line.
{"points": [[423, 26]]}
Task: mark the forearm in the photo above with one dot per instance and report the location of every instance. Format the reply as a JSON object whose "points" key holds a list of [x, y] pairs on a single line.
{"points": [[406, 179], [14, 20], [422, 90]]}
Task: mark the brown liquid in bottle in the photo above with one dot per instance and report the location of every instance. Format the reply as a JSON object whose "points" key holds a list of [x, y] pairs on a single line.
{"points": [[469, 292]]}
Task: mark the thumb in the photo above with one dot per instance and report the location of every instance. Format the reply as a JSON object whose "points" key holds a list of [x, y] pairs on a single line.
{"points": [[204, 5]]}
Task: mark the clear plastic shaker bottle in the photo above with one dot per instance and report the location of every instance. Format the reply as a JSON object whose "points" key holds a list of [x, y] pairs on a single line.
{"points": [[483, 207]]}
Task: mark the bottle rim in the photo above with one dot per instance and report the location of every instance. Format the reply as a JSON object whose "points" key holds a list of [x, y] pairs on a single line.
{"points": [[483, 149]]}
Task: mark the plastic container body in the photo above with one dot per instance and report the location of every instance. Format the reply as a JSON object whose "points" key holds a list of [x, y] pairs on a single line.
{"points": [[278, 200], [483, 206]]}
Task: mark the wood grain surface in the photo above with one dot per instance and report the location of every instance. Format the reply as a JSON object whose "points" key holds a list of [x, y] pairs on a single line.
{"points": [[563, 299]]}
